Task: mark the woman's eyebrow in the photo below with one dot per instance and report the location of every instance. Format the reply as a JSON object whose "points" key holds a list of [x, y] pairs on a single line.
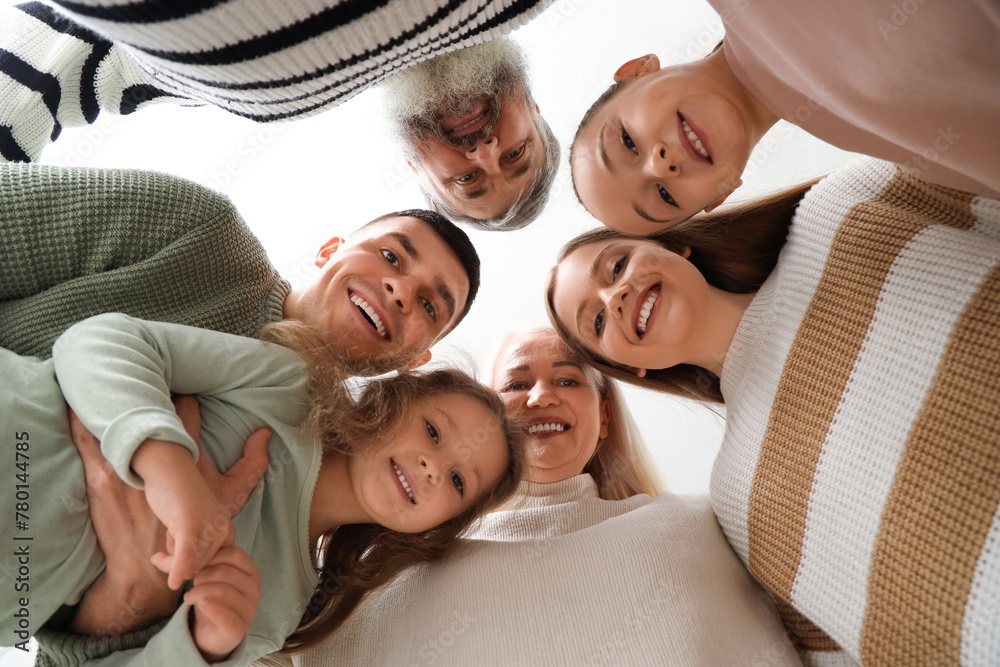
{"points": [[602, 152], [646, 216]]}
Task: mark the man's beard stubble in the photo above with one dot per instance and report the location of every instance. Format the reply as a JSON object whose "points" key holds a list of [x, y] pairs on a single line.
{"points": [[455, 85]]}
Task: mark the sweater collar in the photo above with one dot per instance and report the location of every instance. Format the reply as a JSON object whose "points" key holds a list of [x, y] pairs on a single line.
{"points": [[531, 495], [538, 511]]}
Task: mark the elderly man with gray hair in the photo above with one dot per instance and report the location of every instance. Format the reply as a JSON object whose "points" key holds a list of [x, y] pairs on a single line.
{"points": [[474, 136], [60, 67]]}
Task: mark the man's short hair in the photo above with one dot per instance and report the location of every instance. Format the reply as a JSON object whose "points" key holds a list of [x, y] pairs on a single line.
{"points": [[528, 205], [456, 239]]}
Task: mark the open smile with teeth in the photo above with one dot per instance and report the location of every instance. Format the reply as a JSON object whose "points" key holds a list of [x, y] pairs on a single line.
{"points": [[695, 141], [402, 480], [647, 308], [550, 427], [370, 315], [465, 126]]}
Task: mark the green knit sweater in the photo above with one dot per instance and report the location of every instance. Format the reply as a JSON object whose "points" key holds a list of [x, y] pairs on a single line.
{"points": [[78, 242]]}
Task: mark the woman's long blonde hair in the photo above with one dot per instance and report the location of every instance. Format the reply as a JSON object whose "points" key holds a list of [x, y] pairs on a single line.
{"points": [[356, 558]]}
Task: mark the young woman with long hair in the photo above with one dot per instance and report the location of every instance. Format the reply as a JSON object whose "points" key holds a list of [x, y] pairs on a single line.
{"points": [[860, 380]]}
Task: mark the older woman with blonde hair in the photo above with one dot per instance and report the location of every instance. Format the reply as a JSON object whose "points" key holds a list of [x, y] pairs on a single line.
{"points": [[541, 381], [586, 564]]}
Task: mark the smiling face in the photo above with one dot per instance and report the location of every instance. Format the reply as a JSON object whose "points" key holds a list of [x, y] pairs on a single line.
{"points": [[482, 180], [467, 124], [387, 293], [633, 302], [669, 144], [546, 388], [447, 452]]}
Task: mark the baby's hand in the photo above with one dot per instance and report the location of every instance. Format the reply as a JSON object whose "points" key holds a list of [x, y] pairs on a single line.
{"points": [[225, 596], [197, 526]]}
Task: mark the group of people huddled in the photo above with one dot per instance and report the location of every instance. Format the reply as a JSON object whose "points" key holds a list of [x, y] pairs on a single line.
{"points": [[214, 467]]}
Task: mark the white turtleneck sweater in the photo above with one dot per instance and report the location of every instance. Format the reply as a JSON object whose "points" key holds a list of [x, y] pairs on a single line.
{"points": [[559, 576]]}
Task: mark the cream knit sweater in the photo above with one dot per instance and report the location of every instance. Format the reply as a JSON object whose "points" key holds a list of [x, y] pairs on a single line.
{"points": [[560, 577]]}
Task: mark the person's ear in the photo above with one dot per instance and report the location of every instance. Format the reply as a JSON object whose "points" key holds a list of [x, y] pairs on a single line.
{"points": [[640, 372], [637, 67], [537, 110], [714, 205], [685, 252], [327, 250], [416, 363], [605, 409]]}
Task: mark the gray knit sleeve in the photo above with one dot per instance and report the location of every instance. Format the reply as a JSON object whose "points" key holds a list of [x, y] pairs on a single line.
{"points": [[79, 242]]}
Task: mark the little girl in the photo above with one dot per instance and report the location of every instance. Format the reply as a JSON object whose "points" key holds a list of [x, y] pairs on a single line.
{"points": [[378, 483]]}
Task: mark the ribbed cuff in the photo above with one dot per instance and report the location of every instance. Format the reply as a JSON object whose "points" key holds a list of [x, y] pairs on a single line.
{"points": [[62, 649]]}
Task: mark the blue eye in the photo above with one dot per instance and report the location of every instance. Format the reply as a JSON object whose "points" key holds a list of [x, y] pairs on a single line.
{"points": [[457, 481], [665, 196], [513, 155], [465, 179], [431, 431]]}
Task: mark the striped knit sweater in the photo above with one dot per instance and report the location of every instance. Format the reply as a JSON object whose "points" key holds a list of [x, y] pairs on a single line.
{"points": [[258, 59], [859, 477], [80, 242]]}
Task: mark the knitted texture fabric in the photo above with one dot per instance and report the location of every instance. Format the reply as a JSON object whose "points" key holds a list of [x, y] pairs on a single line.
{"points": [[261, 60], [80, 242], [58, 649], [558, 576], [118, 373], [859, 477]]}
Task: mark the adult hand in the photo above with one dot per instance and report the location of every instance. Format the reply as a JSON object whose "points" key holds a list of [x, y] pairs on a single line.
{"points": [[131, 593], [233, 488]]}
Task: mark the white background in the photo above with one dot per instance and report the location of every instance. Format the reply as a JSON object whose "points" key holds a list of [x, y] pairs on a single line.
{"points": [[298, 184]]}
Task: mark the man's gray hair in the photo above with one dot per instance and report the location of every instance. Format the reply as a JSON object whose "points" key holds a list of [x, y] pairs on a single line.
{"points": [[528, 205]]}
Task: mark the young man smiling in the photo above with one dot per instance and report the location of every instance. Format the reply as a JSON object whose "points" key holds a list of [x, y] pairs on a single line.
{"points": [[86, 241]]}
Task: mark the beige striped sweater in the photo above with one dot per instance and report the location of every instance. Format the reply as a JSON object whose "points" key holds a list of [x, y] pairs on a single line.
{"points": [[859, 477]]}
